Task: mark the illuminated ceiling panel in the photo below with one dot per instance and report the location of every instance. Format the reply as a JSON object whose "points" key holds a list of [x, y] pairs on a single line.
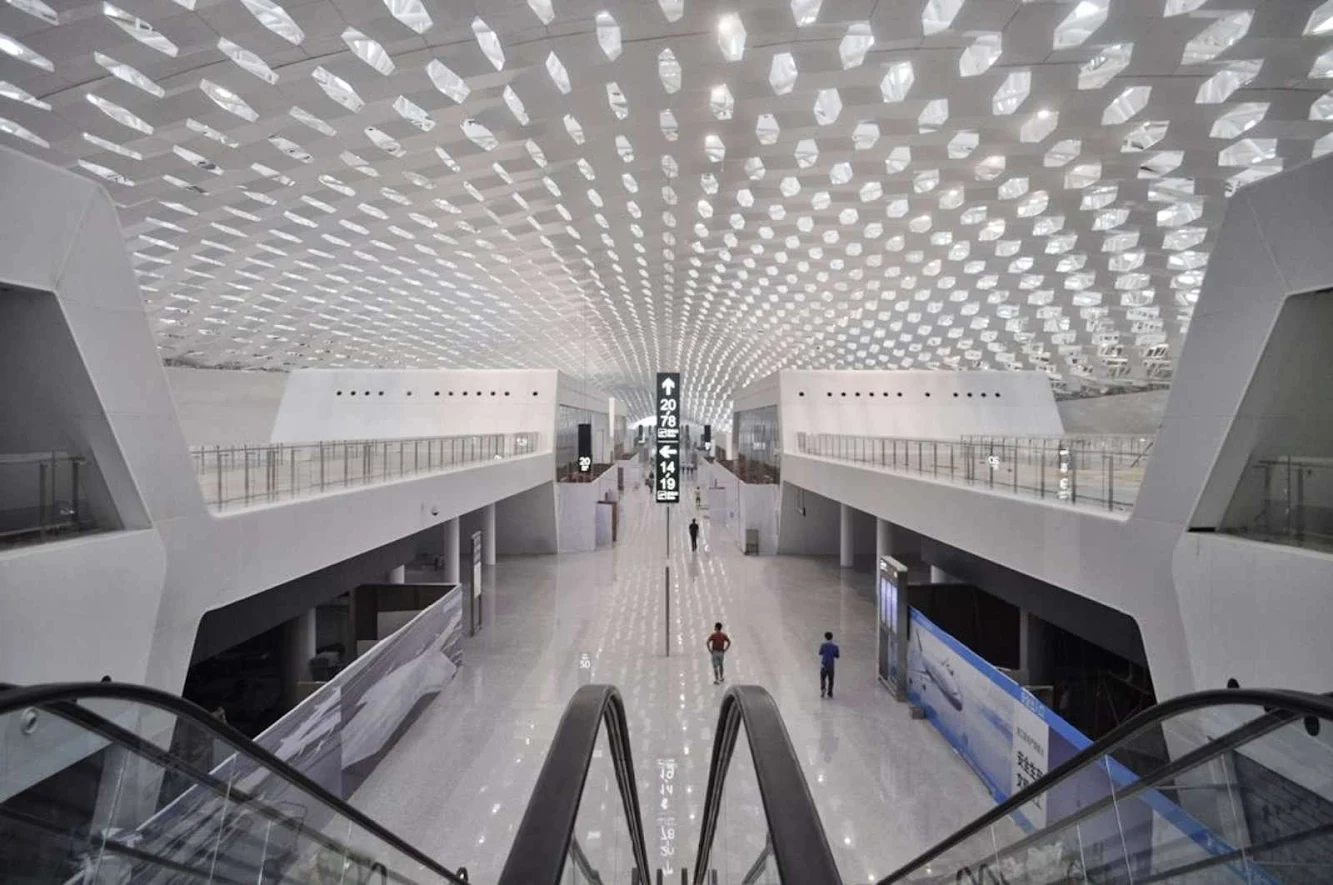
{"points": [[726, 190]]}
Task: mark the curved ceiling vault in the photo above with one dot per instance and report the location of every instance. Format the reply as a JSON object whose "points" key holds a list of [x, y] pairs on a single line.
{"points": [[724, 188]]}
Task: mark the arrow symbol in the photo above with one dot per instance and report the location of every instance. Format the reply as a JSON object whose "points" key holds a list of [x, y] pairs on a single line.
{"points": [[668, 385], [667, 451]]}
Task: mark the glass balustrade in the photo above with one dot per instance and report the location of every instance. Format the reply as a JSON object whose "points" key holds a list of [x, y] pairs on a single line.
{"points": [[45, 496], [1098, 472], [1284, 499], [117, 784], [243, 476]]}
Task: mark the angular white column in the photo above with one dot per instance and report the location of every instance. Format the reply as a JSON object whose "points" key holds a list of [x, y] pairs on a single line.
{"points": [[451, 572], [845, 548], [488, 536], [398, 575]]}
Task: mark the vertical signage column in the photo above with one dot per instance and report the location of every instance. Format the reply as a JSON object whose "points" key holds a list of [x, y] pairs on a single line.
{"points": [[666, 488], [666, 472]]}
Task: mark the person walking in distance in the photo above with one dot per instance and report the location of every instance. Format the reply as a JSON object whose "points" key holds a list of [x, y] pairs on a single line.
{"points": [[694, 535], [718, 643], [828, 653]]}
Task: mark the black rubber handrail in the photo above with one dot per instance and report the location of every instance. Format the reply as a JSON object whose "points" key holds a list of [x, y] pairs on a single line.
{"points": [[53, 696], [800, 847], [546, 833], [1280, 707]]}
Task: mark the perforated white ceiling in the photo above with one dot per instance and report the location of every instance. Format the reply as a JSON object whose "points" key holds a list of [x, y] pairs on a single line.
{"points": [[614, 188]]}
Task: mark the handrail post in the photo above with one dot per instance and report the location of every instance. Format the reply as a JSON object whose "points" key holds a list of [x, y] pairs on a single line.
{"points": [[74, 489], [1042, 459], [217, 458], [43, 469], [245, 471], [1110, 480], [1300, 503]]}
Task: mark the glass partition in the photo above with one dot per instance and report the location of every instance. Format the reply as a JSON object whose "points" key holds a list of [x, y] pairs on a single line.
{"points": [[242, 476], [1103, 473], [106, 789], [758, 443], [567, 421]]}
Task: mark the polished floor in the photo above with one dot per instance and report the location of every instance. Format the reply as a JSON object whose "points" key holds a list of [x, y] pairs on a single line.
{"points": [[456, 785]]}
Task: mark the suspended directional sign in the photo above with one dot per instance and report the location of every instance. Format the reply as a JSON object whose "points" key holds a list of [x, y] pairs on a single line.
{"points": [[667, 462], [585, 448]]}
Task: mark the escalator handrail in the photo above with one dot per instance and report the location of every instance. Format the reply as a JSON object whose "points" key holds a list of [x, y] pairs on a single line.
{"points": [[57, 694], [1281, 706], [542, 843], [799, 845]]}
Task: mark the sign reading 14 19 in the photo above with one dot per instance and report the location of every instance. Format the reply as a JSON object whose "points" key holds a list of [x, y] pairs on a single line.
{"points": [[667, 465]]}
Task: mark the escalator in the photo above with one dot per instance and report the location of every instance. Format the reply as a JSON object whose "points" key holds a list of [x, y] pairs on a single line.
{"points": [[106, 784], [1232, 786]]}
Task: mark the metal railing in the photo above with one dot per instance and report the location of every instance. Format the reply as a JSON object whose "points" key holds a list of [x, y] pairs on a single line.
{"points": [[1285, 499], [232, 476], [43, 494], [1097, 472]]}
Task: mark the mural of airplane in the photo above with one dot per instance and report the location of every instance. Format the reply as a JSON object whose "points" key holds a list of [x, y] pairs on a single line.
{"points": [[940, 674]]}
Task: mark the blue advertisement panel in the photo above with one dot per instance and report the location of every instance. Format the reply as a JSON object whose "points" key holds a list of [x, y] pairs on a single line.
{"points": [[1010, 739]]}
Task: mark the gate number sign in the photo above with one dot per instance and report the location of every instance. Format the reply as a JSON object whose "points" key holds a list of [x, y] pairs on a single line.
{"points": [[666, 489]]}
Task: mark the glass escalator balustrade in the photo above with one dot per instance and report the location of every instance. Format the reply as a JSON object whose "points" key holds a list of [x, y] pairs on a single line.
{"points": [[108, 785], [1220, 787]]}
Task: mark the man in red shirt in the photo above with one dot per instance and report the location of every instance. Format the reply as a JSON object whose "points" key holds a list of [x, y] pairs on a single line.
{"points": [[718, 643]]}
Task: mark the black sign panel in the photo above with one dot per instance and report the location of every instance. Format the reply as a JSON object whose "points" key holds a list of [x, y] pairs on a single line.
{"points": [[666, 487], [585, 448], [708, 435]]}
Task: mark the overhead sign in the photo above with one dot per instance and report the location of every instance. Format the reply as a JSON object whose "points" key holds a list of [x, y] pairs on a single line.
{"points": [[585, 448], [666, 474]]}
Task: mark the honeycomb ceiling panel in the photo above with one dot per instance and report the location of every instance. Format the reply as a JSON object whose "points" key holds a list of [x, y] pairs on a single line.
{"points": [[726, 189]]}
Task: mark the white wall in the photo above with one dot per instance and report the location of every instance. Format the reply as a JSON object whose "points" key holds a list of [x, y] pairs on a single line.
{"points": [[1139, 412], [932, 405], [812, 533], [225, 407], [320, 404], [1257, 612], [576, 509], [759, 511], [525, 523]]}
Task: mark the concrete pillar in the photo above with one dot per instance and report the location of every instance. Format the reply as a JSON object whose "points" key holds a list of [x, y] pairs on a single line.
{"points": [[1032, 656], [881, 541], [845, 547], [451, 572], [488, 535], [397, 575], [298, 638]]}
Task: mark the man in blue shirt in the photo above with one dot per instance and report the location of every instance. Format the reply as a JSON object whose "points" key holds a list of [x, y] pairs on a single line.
{"points": [[828, 653]]}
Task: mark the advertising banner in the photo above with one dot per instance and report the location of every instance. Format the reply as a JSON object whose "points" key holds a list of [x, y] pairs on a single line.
{"points": [[1010, 739]]}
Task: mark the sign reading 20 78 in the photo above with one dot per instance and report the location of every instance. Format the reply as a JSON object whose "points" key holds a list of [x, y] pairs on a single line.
{"points": [[666, 489]]}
